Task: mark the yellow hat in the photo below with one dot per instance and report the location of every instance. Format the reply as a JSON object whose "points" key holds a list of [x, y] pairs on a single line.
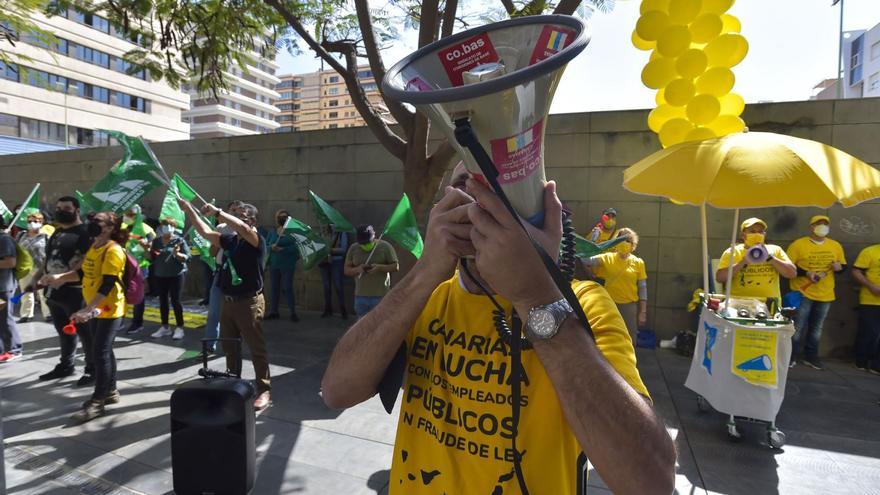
{"points": [[752, 221], [819, 218]]}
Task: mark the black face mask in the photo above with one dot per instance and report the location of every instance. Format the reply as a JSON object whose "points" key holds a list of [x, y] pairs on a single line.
{"points": [[282, 221], [94, 229], [65, 216]]}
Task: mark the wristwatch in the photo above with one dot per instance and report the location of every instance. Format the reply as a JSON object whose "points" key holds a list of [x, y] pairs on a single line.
{"points": [[544, 321]]}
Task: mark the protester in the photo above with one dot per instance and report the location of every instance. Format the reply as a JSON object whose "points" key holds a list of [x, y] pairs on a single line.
{"points": [[283, 256], [241, 282], [215, 301], [867, 345], [625, 280], [758, 280], [10, 342], [370, 262], [14, 230], [102, 287], [33, 240], [65, 252], [333, 270], [817, 259], [145, 241], [606, 228], [170, 254], [577, 395]]}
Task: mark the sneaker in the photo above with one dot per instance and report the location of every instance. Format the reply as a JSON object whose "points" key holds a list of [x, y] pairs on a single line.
{"points": [[263, 401], [24, 319], [814, 363], [862, 366], [134, 329], [792, 364], [112, 398], [163, 331], [9, 356], [85, 381], [209, 353], [57, 372], [178, 333], [91, 410], [294, 317]]}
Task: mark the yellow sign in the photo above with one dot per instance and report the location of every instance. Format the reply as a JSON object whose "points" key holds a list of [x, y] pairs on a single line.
{"points": [[754, 357], [190, 319]]}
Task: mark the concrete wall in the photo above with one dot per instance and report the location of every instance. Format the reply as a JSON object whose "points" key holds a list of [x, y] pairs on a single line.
{"points": [[586, 154]]}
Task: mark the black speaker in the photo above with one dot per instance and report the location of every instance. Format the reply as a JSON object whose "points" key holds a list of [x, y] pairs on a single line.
{"points": [[213, 451]]}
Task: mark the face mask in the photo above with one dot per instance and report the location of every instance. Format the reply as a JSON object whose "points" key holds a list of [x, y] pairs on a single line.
{"points": [[65, 216], [754, 239], [166, 230], [282, 221], [368, 246], [34, 225], [94, 229], [821, 230], [608, 222], [624, 248], [127, 220]]}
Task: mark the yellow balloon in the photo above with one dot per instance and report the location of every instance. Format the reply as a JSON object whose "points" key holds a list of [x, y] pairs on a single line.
{"points": [[673, 41], [699, 134], [660, 97], [726, 124], [654, 55], [717, 81], [732, 104], [703, 109], [641, 44], [705, 28], [730, 24], [717, 7], [674, 131], [679, 92], [658, 72], [683, 11], [691, 63], [651, 24], [649, 5], [662, 114], [726, 50]]}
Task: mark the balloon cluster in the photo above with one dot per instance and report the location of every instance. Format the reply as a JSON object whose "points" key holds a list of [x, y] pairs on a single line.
{"points": [[694, 44]]}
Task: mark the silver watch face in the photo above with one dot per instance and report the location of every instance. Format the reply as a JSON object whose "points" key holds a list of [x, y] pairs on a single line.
{"points": [[542, 323]]}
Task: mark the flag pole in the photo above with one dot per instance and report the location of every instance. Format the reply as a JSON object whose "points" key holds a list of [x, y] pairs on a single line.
{"points": [[370, 256], [164, 178], [23, 205]]}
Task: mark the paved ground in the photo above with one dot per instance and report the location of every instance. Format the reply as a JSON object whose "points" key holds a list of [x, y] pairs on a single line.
{"points": [[832, 420]]}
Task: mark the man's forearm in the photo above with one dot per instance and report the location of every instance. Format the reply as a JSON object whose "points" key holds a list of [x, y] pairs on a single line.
{"points": [[7, 263], [617, 427], [787, 270], [364, 352], [202, 228]]}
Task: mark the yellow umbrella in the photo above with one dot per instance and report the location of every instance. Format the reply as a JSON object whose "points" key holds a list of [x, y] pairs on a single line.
{"points": [[755, 170]]}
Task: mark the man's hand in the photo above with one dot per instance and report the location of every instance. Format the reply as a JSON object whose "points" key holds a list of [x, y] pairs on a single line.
{"points": [[53, 281], [210, 210], [875, 289], [276, 248], [643, 318], [836, 266], [504, 255], [448, 235]]}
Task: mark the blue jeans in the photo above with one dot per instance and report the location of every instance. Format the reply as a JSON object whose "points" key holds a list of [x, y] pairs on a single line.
{"points": [[9, 339], [282, 281], [810, 318], [212, 325], [365, 304], [332, 277]]}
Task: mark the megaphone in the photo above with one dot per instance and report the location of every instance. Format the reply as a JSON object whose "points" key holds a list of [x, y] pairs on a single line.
{"points": [[500, 78]]}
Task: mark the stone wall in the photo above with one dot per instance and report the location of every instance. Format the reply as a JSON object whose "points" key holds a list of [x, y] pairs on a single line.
{"points": [[586, 153]]}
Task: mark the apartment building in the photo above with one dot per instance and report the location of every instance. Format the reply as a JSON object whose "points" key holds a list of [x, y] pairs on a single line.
{"points": [[861, 67]]}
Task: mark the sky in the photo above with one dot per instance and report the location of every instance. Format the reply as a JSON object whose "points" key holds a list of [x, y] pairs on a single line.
{"points": [[792, 47]]}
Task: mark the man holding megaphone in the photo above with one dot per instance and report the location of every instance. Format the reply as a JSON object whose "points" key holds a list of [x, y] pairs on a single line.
{"points": [[757, 265], [456, 432]]}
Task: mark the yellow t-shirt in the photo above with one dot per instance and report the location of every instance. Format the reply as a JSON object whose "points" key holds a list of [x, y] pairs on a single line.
{"points": [[454, 433], [108, 259], [813, 257], [603, 236], [759, 280], [869, 260], [621, 275]]}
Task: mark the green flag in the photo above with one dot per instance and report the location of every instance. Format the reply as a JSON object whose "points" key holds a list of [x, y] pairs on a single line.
{"points": [[5, 213], [31, 206], [587, 249], [170, 208], [84, 206], [201, 246], [327, 215], [403, 229], [138, 233], [130, 179], [312, 247], [185, 190]]}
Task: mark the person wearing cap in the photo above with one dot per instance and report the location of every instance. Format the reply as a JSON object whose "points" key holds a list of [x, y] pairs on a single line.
{"points": [[606, 228], [755, 279], [370, 262], [145, 241], [866, 271], [817, 259]]}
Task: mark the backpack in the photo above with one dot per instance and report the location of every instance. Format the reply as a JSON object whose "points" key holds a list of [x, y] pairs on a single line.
{"points": [[24, 263], [132, 281]]}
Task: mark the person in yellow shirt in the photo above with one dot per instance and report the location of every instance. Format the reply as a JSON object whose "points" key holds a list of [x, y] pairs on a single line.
{"points": [[817, 259], [755, 277], [866, 271], [102, 277], [606, 228], [625, 280], [457, 428]]}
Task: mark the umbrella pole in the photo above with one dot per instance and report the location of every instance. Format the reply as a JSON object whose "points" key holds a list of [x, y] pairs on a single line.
{"points": [[732, 260], [705, 239]]}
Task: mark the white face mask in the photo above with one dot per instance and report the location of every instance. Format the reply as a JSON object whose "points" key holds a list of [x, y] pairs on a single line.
{"points": [[127, 219], [821, 230], [34, 225], [166, 230]]}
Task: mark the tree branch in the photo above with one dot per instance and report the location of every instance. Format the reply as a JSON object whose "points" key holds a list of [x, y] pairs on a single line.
{"points": [[449, 18], [566, 7], [439, 160], [508, 6], [428, 22], [403, 116], [297, 26]]}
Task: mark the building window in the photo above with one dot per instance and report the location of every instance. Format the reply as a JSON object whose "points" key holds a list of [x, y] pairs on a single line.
{"points": [[8, 125], [333, 91], [297, 84], [286, 95], [874, 82], [333, 79], [332, 126], [9, 71], [333, 103], [296, 106], [284, 85], [875, 51], [235, 122], [364, 74], [370, 86], [333, 115]]}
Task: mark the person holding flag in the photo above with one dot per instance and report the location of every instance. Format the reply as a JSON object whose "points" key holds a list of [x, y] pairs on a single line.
{"points": [[370, 262], [283, 255], [170, 254], [139, 244]]}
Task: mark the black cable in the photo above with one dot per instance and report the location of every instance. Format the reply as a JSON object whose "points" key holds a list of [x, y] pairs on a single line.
{"points": [[568, 250], [499, 316]]}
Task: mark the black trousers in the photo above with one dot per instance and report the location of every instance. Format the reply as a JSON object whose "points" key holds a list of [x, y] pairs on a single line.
{"points": [[63, 303], [98, 335], [170, 288]]}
